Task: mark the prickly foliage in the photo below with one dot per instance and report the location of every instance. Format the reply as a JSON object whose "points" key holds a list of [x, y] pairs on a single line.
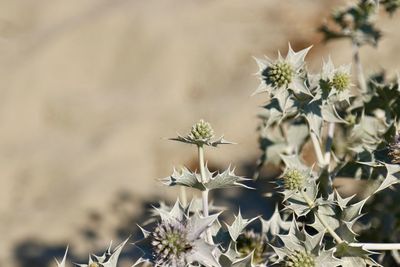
{"points": [[354, 132]]}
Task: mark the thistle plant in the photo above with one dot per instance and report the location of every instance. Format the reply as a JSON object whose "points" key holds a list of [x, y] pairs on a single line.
{"points": [[352, 125]]}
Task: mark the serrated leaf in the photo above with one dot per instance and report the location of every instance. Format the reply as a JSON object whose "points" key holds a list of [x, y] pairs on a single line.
{"points": [[392, 177], [238, 226]]}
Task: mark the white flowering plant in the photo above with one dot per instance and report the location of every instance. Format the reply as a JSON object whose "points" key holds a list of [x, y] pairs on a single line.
{"points": [[352, 125]]}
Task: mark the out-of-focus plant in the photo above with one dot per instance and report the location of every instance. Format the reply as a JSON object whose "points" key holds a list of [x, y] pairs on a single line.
{"points": [[352, 127]]}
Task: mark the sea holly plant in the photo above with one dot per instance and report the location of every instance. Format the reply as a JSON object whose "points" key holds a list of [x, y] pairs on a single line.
{"points": [[350, 126]]}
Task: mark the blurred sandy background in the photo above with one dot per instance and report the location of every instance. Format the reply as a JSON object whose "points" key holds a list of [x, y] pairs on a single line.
{"points": [[89, 88]]}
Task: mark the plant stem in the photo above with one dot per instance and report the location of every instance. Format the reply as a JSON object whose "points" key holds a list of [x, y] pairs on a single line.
{"points": [[377, 246], [183, 196], [317, 149], [328, 145], [359, 69], [204, 194], [311, 204]]}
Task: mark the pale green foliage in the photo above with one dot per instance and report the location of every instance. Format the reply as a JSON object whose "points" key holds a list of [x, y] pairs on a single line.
{"points": [[361, 141]]}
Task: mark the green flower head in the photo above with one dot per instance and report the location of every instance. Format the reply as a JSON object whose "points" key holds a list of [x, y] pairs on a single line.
{"points": [[299, 259], [338, 79], [202, 130], [279, 74], [341, 81], [293, 179], [283, 73]]}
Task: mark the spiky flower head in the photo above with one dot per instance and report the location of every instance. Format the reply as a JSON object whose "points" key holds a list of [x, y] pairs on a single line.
{"points": [[250, 242], [394, 150], [341, 81], [170, 244], [299, 259], [201, 134], [202, 130], [336, 81], [279, 74], [293, 179], [283, 73], [178, 239]]}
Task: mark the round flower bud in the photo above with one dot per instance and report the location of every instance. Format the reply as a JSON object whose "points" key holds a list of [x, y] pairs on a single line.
{"points": [[170, 244], [299, 259], [249, 242], [394, 151], [293, 179], [279, 74], [201, 131], [341, 81]]}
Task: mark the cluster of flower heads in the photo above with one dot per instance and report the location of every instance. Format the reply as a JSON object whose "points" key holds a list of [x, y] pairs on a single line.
{"points": [[289, 73]]}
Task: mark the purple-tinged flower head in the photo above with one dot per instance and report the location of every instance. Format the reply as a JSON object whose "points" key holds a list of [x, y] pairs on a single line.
{"points": [[170, 244]]}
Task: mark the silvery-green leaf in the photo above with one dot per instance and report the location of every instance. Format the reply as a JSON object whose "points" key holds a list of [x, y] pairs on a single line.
{"points": [[392, 176], [177, 213], [327, 258], [244, 262], [330, 114], [342, 202], [275, 224], [203, 254], [108, 259], [198, 224], [296, 136], [352, 256], [294, 162], [313, 115], [353, 211], [327, 213], [184, 178], [228, 178], [313, 242], [237, 227]]}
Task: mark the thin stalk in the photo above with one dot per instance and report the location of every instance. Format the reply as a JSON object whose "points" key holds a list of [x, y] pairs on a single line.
{"points": [[317, 149], [183, 196], [328, 145], [204, 194], [377, 246], [359, 69], [311, 204]]}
